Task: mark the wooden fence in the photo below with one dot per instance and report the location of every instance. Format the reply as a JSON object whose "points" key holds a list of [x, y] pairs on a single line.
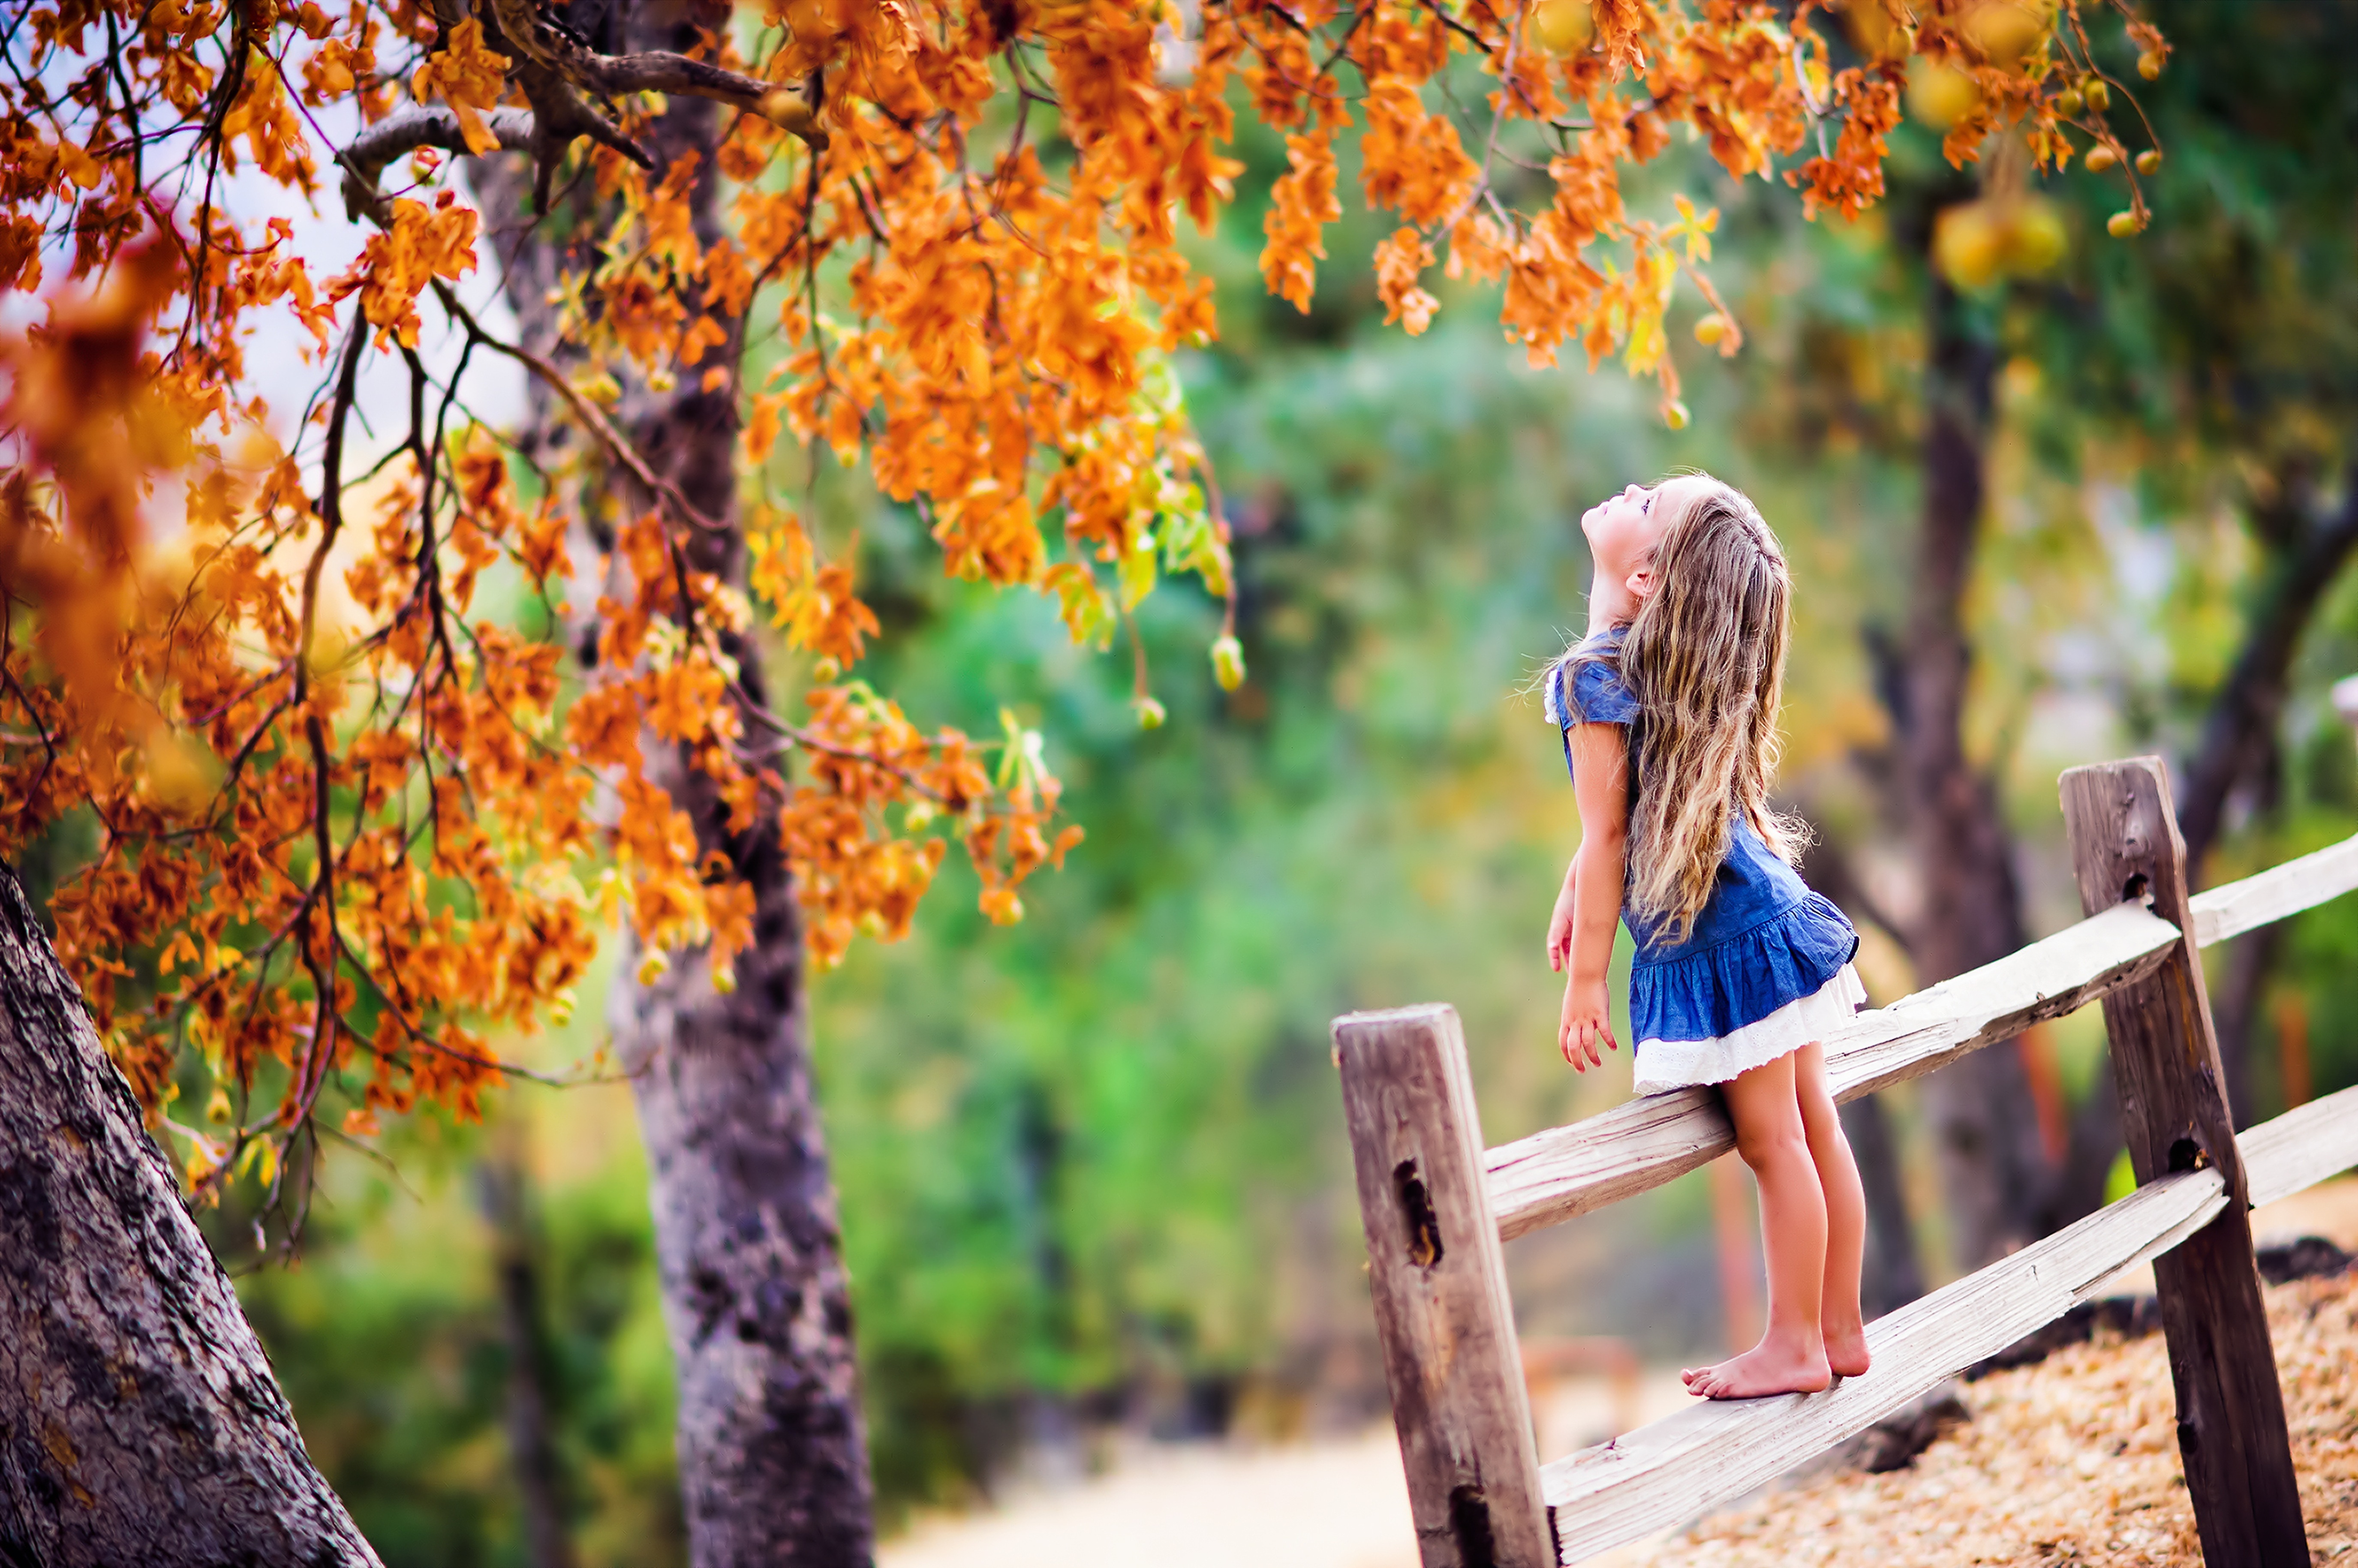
{"points": [[1438, 1206]]}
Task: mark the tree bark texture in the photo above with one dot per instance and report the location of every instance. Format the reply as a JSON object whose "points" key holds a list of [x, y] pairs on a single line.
{"points": [[1993, 1169], [773, 1449], [140, 1423]]}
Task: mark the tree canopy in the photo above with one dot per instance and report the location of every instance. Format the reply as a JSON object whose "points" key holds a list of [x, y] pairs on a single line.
{"points": [[349, 819]]}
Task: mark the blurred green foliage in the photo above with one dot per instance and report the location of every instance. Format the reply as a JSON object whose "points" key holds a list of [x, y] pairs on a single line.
{"points": [[1090, 1167], [390, 1343]]}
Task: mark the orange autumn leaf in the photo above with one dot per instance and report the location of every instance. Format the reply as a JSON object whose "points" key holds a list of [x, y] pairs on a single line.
{"points": [[979, 313], [466, 75], [422, 243]]}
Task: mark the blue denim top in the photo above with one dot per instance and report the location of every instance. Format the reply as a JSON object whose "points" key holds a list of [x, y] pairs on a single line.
{"points": [[1761, 940]]}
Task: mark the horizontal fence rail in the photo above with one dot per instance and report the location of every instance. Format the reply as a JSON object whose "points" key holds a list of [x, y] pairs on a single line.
{"points": [[1553, 1177], [2300, 1148], [1675, 1469], [2234, 908], [1436, 1207]]}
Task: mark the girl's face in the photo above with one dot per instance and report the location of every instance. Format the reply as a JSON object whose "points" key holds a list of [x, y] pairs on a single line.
{"points": [[1622, 532]]}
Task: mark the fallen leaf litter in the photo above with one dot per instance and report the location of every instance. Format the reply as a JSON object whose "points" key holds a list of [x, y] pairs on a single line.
{"points": [[2074, 1460]]}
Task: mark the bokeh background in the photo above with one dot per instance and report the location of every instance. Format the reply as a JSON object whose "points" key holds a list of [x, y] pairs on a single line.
{"points": [[1093, 1180]]}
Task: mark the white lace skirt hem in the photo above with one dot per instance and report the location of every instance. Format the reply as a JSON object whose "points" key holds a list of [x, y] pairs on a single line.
{"points": [[1677, 1064]]}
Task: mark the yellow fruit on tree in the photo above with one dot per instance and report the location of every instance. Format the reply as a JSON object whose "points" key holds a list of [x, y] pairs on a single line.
{"points": [[2148, 160], [1873, 32], [1710, 331], [1675, 415], [183, 774], [1228, 662], [2034, 238], [1940, 95], [2006, 30], [1968, 243], [1563, 26], [2149, 64], [2099, 96], [2121, 225], [2101, 157], [2069, 104]]}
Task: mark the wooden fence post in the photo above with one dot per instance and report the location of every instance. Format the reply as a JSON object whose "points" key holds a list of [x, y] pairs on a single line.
{"points": [[2231, 1419], [1438, 1277]]}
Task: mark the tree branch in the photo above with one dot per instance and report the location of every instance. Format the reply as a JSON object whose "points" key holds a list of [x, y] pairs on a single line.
{"points": [[2248, 706], [617, 445], [365, 160], [617, 75], [673, 74]]}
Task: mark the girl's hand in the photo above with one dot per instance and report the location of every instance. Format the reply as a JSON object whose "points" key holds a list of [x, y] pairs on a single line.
{"points": [[1560, 922], [1587, 1019]]}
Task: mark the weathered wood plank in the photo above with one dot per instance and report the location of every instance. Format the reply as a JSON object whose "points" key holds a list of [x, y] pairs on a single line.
{"points": [[2231, 1421], [2300, 1148], [1671, 1471], [2234, 908], [1554, 1175], [2049, 980], [1550, 1176], [1439, 1283]]}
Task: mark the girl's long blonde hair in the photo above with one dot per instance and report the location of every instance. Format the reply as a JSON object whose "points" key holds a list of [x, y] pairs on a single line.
{"points": [[1705, 660]]}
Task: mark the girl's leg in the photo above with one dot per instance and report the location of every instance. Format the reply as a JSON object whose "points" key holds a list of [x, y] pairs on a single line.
{"points": [[1844, 1329], [1791, 1355]]}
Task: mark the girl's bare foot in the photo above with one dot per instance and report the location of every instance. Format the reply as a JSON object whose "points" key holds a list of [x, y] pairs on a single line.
{"points": [[1847, 1350], [1768, 1367]]}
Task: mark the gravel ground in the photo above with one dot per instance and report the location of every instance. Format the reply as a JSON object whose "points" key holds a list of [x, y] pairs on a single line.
{"points": [[2075, 1460]]}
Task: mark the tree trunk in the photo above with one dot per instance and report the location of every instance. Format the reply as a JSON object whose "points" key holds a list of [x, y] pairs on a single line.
{"points": [[2239, 741], [2237, 1017], [505, 1189], [1893, 1275], [1993, 1169], [2096, 1142], [139, 1421], [2239, 737], [772, 1453], [773, 1450]]}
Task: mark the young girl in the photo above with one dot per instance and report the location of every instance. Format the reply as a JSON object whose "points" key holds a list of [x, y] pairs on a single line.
{"points": [[1669, 712]]}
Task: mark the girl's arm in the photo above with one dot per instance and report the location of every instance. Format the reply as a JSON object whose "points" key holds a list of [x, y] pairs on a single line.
{"points": [[1560, 921], [1600, 764]]}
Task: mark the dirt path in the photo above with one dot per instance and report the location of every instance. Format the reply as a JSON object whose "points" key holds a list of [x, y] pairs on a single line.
{"points": [[2072, 1461], [1338, 1504]]}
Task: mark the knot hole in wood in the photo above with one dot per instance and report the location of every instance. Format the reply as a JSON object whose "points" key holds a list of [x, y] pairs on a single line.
{"points": [[1416, 1208], [1469, 1522]]}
